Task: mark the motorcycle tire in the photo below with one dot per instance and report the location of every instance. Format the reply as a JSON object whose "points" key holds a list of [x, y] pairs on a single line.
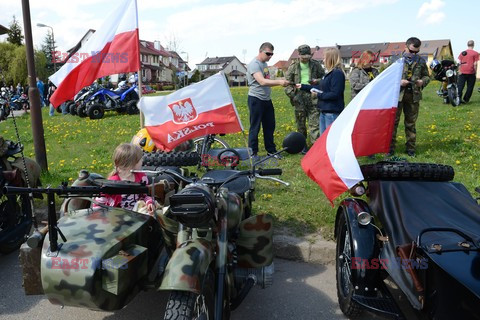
{"points": [[453, 95], [407, 171], [72, 108], [175, 159], [81, 111], [96, 111], [343, 266], [183, 305], [217, 143], [14, 210], [132, 107]]}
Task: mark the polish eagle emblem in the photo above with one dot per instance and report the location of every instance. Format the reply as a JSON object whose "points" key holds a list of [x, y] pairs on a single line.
{"points": [[183, 111]]}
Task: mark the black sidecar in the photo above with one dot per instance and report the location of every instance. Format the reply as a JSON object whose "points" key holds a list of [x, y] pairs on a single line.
{"points": [[414, 249]]}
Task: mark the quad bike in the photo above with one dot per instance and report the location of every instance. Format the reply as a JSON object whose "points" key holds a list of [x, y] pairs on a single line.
{"points": [[100, 257], [413, 250], [124, 100], [15, 210]]}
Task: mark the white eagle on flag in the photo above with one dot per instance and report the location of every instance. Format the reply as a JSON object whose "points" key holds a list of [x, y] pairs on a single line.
{"points": [[183, 111]]}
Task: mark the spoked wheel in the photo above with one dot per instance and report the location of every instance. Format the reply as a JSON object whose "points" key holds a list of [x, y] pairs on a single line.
{"points": [[184, 305], [212, 143], [15, 221], [344, 271], [453, 95]]}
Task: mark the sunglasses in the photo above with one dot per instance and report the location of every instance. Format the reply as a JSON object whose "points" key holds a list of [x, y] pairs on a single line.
{"points": [[412, 51], [268, 53]]}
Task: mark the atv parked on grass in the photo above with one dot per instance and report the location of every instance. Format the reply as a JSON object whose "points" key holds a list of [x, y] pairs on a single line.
{"points": [[123, 100], [413, 250]]}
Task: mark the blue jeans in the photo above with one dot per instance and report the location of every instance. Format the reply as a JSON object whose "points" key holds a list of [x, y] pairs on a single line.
{"points": [[326, 119], [52, 110]]}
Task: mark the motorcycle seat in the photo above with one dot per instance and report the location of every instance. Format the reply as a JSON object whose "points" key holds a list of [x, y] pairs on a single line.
{"points": [[239, 185]]}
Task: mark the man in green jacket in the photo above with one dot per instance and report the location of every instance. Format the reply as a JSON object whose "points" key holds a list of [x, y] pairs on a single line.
{"points": [[305, 71], [415, 77]]}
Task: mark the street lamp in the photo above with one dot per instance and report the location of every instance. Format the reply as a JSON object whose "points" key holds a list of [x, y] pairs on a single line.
{"points": [[185, 80], [41, 25]]}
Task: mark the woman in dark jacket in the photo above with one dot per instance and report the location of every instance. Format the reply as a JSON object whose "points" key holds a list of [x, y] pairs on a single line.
{"points": [[330, 89]]}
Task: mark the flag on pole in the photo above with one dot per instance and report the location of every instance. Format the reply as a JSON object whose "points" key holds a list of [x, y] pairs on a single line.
{"points": [[363, 128], [202, 108], [113, 48]]}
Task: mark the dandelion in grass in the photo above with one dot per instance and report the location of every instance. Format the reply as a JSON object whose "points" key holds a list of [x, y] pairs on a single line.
{"points": [[457, 161]]}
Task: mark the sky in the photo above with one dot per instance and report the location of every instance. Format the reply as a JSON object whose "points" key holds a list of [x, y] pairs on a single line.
{"points": [[216, 28]]}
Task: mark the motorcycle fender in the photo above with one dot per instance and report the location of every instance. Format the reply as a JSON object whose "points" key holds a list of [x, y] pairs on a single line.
{"points": [[187, 267], [365, 262]]}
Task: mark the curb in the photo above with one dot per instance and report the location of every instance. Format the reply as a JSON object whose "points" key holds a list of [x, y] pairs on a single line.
{"points": [[311, 250]]}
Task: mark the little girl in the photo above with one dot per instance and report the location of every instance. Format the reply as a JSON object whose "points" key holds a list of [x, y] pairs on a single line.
{"points": [[127, 157]]}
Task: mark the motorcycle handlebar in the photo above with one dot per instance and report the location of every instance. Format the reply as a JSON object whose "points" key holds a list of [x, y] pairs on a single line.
{"points": [[270, 172]]}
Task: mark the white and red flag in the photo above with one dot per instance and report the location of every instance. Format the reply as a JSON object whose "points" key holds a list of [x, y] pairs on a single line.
{"points": [[363, 128], [202, 108], [112, 49]]}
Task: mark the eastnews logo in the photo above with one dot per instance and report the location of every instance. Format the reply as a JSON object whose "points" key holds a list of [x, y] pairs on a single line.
{"points": [[97, 57], [392, 264]]}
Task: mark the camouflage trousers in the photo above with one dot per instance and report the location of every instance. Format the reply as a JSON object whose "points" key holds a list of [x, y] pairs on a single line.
{"points": [[410, 110], [306, 110]]}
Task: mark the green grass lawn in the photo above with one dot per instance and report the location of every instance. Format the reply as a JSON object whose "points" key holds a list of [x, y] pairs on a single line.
{"points": [[445, 135]]}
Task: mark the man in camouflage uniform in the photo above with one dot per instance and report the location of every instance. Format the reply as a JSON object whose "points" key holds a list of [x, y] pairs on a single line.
{"points": [[305, 71], [415, 77]]}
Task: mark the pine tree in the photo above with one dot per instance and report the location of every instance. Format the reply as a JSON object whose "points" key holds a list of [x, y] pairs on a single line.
{"points": [[48, 49], [15, 35]]}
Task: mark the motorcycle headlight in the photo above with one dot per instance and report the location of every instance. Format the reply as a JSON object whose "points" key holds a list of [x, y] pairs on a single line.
{"points": [[364, 218], [449, 73], [194, 206]]}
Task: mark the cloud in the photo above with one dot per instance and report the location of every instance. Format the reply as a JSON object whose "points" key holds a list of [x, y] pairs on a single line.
{"points": [[430, 12]]}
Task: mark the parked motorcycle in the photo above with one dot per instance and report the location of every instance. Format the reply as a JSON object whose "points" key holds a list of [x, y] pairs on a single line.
{"points": [[215, 251], [4, 105], [15, 210], [445, 71], [415, 242]]}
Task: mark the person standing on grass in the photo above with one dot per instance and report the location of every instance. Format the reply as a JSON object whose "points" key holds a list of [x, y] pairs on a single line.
{"points": [[260, 103], [415, 77], [330, 90], [307, 71], [468, 69], [363, 72]]}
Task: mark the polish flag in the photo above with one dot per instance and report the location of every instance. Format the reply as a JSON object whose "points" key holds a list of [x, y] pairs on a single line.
{"points": [[202, 108], [112, 49], [365, 127]]}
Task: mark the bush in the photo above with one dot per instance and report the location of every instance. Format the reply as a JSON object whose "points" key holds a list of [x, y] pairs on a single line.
{"points": [[167, 87]]}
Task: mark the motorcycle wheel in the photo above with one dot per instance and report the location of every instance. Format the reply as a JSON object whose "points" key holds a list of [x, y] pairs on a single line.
{"points": [[407, 171], [81, 111], [217, 143], [132, 107], [96, 111], [184, 305], [72, 108], [13, 211], [453, 95], [343, 260], [176, 159]]}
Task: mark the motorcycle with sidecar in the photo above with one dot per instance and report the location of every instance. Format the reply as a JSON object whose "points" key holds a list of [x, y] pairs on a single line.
{"points": [[202, 244], [413, 250]]}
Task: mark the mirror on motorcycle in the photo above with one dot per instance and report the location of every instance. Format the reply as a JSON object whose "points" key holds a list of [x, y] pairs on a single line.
{"points": [[294, 142]]}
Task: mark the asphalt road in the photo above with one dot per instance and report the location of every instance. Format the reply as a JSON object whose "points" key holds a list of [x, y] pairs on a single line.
{"points": [[300, 291]]}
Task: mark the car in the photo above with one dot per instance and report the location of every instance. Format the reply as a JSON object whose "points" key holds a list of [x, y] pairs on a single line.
{"points": [[147, 89]]}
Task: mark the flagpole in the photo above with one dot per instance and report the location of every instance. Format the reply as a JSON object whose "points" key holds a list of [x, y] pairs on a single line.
{"points": [[140, 94]]}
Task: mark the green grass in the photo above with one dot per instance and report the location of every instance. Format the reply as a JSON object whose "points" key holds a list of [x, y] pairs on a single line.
{"points": [[445, 135]]}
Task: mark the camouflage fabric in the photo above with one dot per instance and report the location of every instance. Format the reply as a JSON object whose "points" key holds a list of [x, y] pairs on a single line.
{"points": [[304, 104], [410, 110], [107, 255], [359, 78], [416, 70], [255, 242], [409, 101]]}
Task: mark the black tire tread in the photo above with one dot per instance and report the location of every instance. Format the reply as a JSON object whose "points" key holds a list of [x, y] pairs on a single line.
{"points": [[180, 305], [407, 171], [176, 159]]}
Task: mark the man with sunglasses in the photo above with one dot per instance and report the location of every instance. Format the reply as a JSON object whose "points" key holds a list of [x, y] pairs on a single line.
{"points": [[415, 77], [259, 100]]}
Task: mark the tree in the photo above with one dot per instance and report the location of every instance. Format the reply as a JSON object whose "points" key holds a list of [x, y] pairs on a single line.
{"points": [[48, 48], [15, 35], [6, 55], [172, 43], [195, 77]]}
